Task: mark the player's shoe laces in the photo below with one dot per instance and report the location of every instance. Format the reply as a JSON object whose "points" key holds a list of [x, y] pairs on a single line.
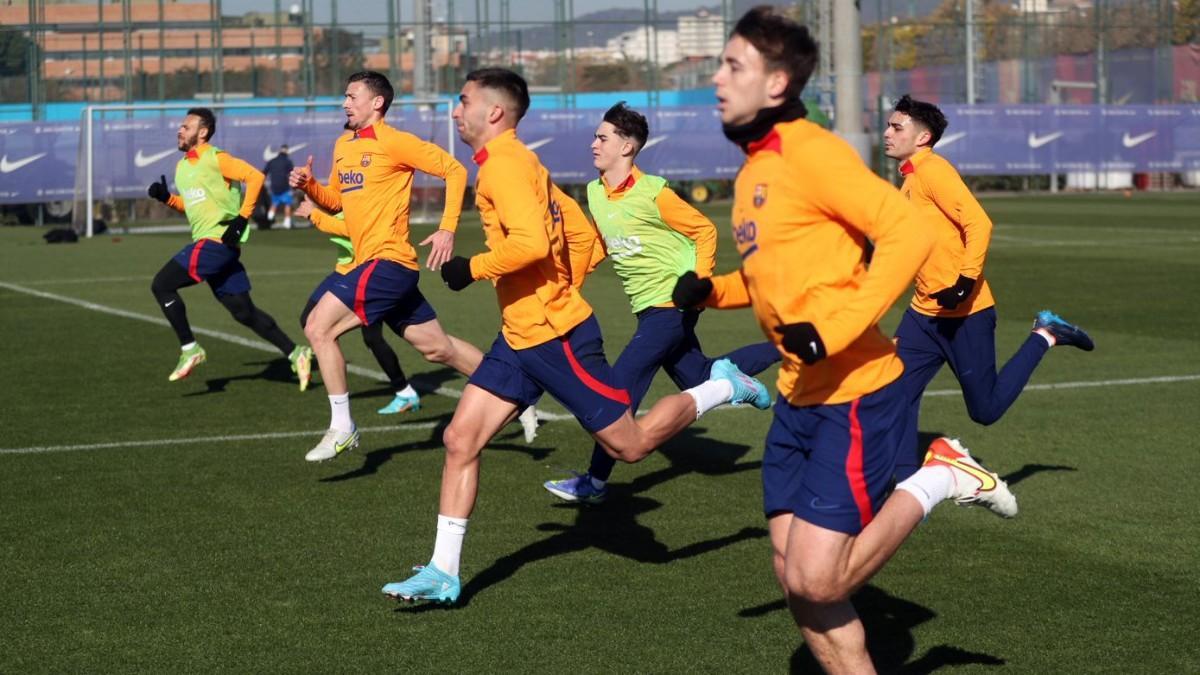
{"points": [[577, 488], [429, 583], [746, 389], [302, 358], [973, 484], [332, 444], [188, 360], [1064, 333], [529, 423], [401, 403]]}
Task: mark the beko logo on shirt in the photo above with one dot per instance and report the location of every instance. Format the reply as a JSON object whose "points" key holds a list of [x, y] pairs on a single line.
{"points": [[194, 195], [351, 178], [745, 233]]}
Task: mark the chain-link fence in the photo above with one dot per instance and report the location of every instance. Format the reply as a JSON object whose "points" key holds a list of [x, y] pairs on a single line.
{"points": [[986, 51]]}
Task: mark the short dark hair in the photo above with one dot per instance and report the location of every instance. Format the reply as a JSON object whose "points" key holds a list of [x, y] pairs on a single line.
{"points": [[925, 114], [629, 123], [207, 120], [376, 83], [505, 81], [784, 43]]}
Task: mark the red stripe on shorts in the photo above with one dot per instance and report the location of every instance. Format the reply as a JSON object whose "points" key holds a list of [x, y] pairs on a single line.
{"points": [[194, 261], [360, 293], [854, 468], [618, 395]]}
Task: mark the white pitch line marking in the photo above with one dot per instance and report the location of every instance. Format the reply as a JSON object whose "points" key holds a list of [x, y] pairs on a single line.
{"points": [[315, 272], [41, 449], [259, 345], [1163, 379]]}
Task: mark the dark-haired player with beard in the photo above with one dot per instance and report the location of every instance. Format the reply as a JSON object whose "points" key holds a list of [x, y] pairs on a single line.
{"points": [[207, 179]]}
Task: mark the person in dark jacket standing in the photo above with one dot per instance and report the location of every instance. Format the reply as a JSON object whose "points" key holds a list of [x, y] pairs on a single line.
{"points": [[277, 171]]}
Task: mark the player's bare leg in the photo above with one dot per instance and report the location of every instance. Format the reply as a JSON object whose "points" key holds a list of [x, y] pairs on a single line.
{"points": [[327, 321], [439, 347]]}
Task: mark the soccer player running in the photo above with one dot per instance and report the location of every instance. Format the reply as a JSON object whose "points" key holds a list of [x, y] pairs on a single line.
{"points": [[652, 237], [549, 339], [207, 178], [804, 208], [405, 398], [277, 171], [371, 183], [952, 316]]}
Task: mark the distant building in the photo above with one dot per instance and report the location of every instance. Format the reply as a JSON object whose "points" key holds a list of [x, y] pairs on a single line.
{"points": [[633, 45], [701, 35]]}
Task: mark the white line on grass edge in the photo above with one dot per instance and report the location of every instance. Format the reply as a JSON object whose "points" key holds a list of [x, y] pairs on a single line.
{"points": [[444, 391]]}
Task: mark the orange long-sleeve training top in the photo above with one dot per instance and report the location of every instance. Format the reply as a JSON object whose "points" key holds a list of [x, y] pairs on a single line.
{"points": [[804, 206], [371, 182], [233, 170], [585, 246], [527, 257], [961, 228]]}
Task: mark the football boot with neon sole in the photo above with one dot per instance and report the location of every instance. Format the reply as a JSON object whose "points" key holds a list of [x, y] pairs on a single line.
{"points": [[302, 358], [332, 444], [188, 360], [973, 484]]}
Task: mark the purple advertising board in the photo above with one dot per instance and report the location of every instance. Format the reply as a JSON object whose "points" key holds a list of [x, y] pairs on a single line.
{"points": [[39, 160]]}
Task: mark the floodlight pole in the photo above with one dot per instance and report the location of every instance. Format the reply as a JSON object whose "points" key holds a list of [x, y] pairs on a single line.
{"points": [[847, 66]]}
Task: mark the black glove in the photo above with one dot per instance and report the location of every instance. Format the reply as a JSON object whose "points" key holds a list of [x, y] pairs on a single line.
{"points": [[233, 232], [802, 340], [159, 190], [456, 272], [949, 298], [691, 291]]}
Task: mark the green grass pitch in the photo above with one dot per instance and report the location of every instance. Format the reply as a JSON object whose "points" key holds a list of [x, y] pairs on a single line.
{"points": [[188, 534]]}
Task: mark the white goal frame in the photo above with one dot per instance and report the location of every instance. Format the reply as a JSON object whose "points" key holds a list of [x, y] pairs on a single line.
{"points": [[89, 118]]}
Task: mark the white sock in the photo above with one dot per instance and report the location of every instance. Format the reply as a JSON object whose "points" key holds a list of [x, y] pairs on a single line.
{"points": [[447, 548], [339, 412], [287, 222], [407, 391], [930, 485], [188, 346], [597, 483], [1047, 336], [710, 394]]}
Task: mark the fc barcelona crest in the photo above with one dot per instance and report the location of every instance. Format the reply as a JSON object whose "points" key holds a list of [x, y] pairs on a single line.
{"points": [[760, 195], [366, 159]]}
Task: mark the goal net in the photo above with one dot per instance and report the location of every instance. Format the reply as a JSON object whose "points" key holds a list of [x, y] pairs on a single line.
{"points": [[125, 147]]}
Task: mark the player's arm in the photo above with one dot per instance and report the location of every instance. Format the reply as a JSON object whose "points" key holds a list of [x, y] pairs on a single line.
{"points": [[513, 194], [686, 220], [159, 191], [954, 199], [328, 223], [847, 192], [407, 149], [724, 291], [240, 171], [585, 247], [328, 198]]}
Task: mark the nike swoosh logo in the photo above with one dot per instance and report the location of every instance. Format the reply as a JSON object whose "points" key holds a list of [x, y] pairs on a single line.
{"points": [[537, 144], [1133, 141], [987, 482], [269, 154], [140, 160], [947, 140], [816, 504], [1036, 141], [654, 141], [8, 167], [169, 303]]}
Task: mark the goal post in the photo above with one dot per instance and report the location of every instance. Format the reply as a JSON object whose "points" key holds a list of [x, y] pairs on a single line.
{"points": [[125, 147]]}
